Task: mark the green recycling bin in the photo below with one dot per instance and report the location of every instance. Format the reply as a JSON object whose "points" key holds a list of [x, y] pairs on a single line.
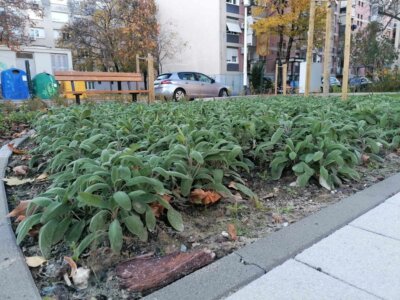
{"points": [[45, 86]]}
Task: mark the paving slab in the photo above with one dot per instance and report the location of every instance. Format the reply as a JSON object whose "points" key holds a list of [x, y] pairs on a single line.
{"points": [[294, 280], [394, 200], [384, 219], [211, 282], [276, 248], [360, 258]]}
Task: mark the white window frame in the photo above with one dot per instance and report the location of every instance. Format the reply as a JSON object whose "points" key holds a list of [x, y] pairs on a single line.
{"points": [[56, 17], [37, 33], [231, 58], [233, 2], [59, 2]]}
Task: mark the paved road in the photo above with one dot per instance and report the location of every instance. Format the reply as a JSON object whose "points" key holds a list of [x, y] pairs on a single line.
{"points": [[359, 261]]}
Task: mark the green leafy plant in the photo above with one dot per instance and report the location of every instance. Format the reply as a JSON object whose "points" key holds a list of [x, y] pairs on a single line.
{"points": [[112, 166]]}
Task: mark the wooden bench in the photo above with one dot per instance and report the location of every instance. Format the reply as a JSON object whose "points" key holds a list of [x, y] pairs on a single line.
{"points": [[111, 77]]}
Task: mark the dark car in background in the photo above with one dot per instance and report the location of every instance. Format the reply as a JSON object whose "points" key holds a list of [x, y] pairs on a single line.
{"points": [[333, 81], [182, 85], [358, 84]]}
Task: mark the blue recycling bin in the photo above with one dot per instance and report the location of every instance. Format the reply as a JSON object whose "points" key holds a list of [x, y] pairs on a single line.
{"points": [[14, 84]]}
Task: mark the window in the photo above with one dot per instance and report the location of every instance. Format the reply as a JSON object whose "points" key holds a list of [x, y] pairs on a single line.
{"points": [[56, 34], [59, 17], [234, 2], [186, 76], [59, 62], [37, 33], [164, 76], [62, 2], [232, 26], [232, 55], [203, 78], [25, 55], [33, 16]]}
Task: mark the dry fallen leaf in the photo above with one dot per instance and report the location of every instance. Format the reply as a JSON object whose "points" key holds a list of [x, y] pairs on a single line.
{"points": [[20, 219], [72, 264], [232, 185], [20, 210], [42, 177], [19, 134], [199, 196], [26, 157], [365, 158], [21, 170], [278, 219], [157, 208], [269, 196], [81, 278], [232, 232], [35, 261], [15, 150], [14, 181]]}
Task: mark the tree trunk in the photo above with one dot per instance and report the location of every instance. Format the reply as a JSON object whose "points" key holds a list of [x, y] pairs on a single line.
{"points": [[280, 55]]}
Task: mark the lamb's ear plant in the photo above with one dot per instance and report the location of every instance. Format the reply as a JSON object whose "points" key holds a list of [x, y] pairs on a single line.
{"points": [[111, 164]]}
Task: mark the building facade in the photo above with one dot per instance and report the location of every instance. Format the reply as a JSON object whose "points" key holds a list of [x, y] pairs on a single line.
{"points": [[212, 36], [42, 52]]}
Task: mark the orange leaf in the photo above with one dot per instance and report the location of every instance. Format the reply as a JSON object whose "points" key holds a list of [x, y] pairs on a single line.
{"points": [[20, 218], [199, 196], [15, 150], [365, 158], [72, 264], [20, 210], [157, 208], [232, 232]]}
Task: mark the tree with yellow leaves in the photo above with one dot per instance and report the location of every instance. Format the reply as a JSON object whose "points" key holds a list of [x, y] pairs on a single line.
{"points": [[107, 34], [287, 19]]}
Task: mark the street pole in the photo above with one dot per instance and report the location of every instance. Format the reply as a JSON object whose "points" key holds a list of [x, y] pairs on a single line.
{"points": [[246, 4], [310, 46], [328, 45], [347, 42]]}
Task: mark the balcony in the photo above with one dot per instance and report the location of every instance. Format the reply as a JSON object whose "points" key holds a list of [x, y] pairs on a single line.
{"points": [[232, 38], [231, 8]]}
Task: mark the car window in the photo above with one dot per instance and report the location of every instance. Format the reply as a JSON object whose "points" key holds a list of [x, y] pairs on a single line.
{"points": [[203, 78], [164, 76], [186, 76]]}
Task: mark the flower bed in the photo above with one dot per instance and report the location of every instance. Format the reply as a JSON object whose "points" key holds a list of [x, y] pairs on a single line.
{"points": [[119, 173]]}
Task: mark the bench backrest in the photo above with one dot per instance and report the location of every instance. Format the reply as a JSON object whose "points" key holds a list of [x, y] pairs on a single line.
{"points": [[97, 76]]}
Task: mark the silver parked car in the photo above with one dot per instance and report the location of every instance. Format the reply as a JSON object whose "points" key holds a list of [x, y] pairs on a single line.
{"points": [[181, 85]]}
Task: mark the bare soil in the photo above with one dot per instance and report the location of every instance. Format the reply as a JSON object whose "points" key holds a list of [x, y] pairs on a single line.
{"points": [[282, 203]]}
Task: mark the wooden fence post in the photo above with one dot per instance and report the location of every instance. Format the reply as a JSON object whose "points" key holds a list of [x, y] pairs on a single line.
{"points": [[150, 83], [284, 78], [276, 78], [310, 47]]}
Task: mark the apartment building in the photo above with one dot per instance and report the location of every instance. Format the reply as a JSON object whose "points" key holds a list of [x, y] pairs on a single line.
{"points": [[211, 33], [42, 53], [363, 12]]}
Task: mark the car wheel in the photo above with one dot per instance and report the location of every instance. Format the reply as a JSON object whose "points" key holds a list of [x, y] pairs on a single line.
{"points": [[223, 93], [179, 95]]}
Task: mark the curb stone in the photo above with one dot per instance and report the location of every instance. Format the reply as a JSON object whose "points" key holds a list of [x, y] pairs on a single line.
{"points": [[16, 282], [224, 277]]}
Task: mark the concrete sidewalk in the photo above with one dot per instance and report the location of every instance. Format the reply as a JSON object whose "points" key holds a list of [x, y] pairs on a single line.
{"points": [[359, 261]]}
